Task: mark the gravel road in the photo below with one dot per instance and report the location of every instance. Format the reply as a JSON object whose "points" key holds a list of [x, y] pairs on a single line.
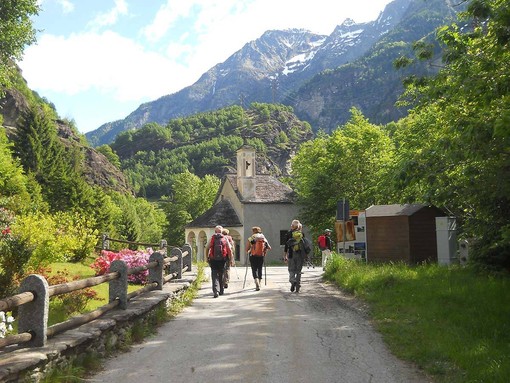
{"points": [[272, 335]]}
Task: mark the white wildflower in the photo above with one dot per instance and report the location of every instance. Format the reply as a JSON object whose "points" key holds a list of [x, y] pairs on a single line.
{"points": [[5, 324]]}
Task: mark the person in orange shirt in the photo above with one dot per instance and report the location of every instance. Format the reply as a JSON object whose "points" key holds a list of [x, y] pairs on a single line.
{"points": [[257, 248]]}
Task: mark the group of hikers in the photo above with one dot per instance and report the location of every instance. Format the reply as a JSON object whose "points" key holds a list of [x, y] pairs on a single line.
{"points": [[220, 255]]}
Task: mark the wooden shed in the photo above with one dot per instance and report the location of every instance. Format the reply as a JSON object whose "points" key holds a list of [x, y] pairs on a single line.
{"points": [[402, 233]]}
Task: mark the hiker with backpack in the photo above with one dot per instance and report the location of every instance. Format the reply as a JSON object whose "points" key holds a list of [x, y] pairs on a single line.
{"points": [[226, 272], [218, 255], [325, 246], [257, 248], [295, 251]]}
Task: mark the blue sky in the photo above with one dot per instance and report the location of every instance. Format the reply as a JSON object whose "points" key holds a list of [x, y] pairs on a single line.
{"points": [[98, 60]]}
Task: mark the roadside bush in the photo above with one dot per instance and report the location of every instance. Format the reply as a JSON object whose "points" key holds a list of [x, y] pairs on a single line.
{"points": [[76, 235], [36, 240], [15, 253], [62, 237]]}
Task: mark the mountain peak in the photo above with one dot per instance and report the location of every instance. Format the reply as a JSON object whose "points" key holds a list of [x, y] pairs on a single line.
{"points": [[281, 64], [348, 22]]}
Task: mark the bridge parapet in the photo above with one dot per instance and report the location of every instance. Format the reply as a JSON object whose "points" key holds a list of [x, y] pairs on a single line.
{"points": [[38, 344]]}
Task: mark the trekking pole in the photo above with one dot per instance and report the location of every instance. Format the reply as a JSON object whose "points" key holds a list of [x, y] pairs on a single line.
{"points": [[235, 268], [246, 272], [265, 272]]}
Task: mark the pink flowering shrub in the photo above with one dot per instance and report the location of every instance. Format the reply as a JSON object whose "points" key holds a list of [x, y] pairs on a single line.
{"points": [[132, 258]]}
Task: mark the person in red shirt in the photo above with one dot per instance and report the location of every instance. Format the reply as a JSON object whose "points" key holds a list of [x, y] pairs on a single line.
{"points": [[325, 245]]}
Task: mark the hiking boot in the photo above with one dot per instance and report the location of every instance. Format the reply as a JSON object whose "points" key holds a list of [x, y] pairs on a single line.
{"points": [[292, 286]]}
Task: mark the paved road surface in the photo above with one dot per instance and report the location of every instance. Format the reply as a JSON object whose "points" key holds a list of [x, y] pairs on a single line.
{"points": [[272, 335]]}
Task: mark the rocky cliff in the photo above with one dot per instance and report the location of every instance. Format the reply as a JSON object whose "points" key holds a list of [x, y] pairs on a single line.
{"points": [[97, 170]]}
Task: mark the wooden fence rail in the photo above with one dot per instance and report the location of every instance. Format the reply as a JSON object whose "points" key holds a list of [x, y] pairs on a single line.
{"points": [[33, 299], [105, 243]]}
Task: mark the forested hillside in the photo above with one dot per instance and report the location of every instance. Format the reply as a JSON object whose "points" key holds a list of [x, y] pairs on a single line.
{"points": [[207, 143]]}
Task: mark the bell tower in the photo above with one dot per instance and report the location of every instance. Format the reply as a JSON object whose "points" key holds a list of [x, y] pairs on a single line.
{"points": [[246, 171]]}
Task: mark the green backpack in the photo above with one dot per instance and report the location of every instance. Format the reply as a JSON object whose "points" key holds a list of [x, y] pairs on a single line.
{"points": [[294, 240]]}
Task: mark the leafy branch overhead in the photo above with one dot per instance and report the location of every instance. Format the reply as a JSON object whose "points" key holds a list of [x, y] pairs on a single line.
{"points": [[16, 32]]}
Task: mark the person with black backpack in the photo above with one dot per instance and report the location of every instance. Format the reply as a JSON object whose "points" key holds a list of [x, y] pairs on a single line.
{"points": [[295, 252], [218, 254]]}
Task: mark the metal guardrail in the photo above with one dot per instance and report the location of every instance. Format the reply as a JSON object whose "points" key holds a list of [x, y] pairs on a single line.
{"points": [[33, 299]]}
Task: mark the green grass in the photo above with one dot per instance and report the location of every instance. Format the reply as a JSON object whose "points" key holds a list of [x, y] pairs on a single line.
{"points": [[180, 302], [57, 314], [452, 322]]}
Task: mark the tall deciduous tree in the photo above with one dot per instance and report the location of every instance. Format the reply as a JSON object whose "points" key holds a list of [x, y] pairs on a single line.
{"points": [[14, 193], [455, 146], [191, 196], [350, 163], [16, 32]]}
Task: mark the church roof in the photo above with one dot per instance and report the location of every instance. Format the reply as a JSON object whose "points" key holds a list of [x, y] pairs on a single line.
{"points": [[267, 190], [221, 213]]}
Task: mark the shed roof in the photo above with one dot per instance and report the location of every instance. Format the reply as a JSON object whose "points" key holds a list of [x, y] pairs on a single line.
{"points": [[393, 210], [221, 213], [268, 189]]}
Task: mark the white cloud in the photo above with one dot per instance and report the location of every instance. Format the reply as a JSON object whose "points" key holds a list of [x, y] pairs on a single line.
{"points": [[67, 6], [110, 17], [110, 63], [165, 18], [106, 62], [187, 38], [218, 28]]}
